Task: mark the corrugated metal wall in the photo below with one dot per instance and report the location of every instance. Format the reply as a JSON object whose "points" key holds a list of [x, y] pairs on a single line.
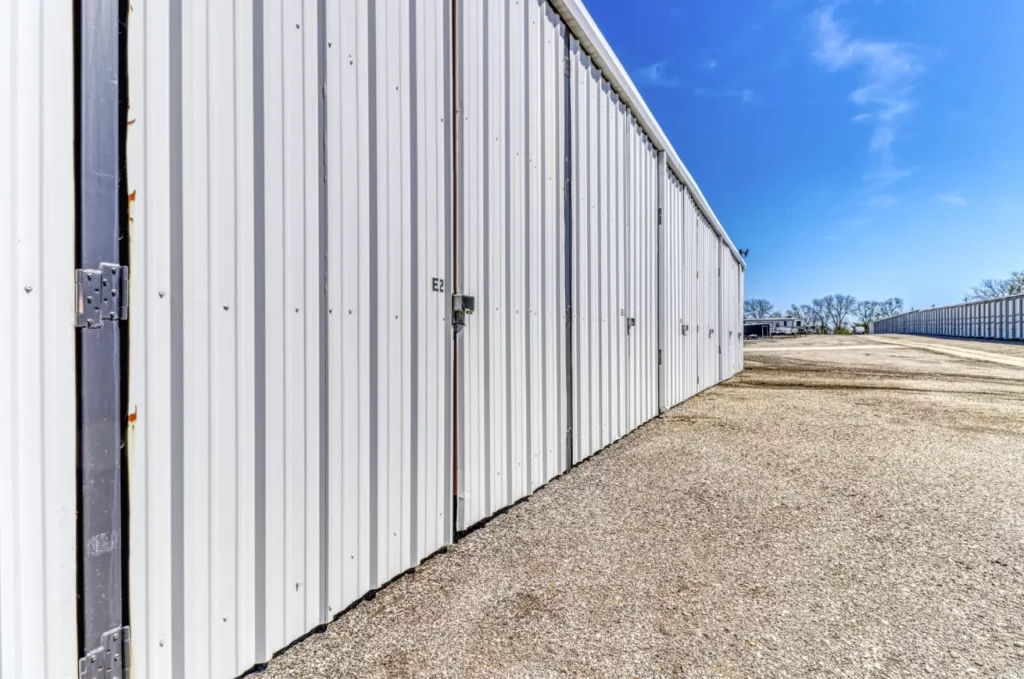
{"points": [[511, 252], [614, 211], [290, 378], [708, 304], [38, 636], [226, 362], [388, 95], [732, 345], [989, 319], [678, 294], [290, 363]]}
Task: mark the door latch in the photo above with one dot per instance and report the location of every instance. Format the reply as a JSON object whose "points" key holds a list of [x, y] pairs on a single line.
{"points": [[630, 324], [462, 306], [683, 327]]}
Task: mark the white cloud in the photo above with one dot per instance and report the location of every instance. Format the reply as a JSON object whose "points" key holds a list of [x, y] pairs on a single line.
{"points": [[889, 71], [709, 65], [953, 198], [745, 95], [882, 200], [655, 74]]}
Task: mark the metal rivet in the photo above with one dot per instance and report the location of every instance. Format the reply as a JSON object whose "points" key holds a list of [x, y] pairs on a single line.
{"points": [[28, 288], [113, 293], [225, 307], [115, 637], [225, 618], [88, 300], [88, 276], [161, 642], [161, 293], [296, 309], [296, 25], [297, 586]]}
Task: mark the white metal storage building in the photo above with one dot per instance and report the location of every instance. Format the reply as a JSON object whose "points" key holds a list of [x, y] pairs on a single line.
{"points": [[296, 402], [1001, 318]]}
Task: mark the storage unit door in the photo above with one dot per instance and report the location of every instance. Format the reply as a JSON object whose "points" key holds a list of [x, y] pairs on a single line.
{"points": [[512, 417]]}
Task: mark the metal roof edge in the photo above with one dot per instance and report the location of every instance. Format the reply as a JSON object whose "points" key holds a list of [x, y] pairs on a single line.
{"points": [[582, 25]]}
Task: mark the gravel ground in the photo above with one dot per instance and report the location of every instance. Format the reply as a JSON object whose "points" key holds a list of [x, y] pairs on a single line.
{"points": [[844, 507]]}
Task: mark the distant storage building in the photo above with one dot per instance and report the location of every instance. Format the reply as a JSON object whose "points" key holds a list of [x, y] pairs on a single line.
{"points": [[316, 285], [1001, 319]]}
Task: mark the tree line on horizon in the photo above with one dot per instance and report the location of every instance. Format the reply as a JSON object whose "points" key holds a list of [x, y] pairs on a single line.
{"points": [[830, 312], [994, 288]]}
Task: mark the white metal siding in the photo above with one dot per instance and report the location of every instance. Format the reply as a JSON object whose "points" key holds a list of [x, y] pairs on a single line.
{"points": [[614, 211], [988, 319], [225, 453], [511, 253], [678, 294], [389, 360], [708, 252], [38, 636], [291, 373], [641, 228]]}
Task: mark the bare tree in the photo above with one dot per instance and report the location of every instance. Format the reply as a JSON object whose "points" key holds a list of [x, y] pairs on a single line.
{"points": [[796, 312], [757, 308], [890, 307], [838, 307], [819, 312], [776, 314], [868, 311], [992, 288]]}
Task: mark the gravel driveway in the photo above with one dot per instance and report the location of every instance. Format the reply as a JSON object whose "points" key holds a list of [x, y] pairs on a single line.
{"points": [[844, 507]]}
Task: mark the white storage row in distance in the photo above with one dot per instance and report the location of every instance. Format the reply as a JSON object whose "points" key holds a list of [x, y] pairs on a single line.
{"points": [[302, 209], [997, 319]]}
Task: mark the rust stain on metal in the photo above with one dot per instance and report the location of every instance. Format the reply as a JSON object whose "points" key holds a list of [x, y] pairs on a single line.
{"points": [[134, 415]]}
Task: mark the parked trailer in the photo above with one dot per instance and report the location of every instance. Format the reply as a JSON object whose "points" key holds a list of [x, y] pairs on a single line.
{"points": [[393, 267], [1001, 319]]}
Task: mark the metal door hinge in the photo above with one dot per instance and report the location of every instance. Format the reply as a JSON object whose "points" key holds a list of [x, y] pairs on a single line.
{"points": [[110, 661], [101, 295]]}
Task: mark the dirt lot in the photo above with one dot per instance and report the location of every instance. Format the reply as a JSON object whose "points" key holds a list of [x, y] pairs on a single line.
{"points": [[847, 506]]}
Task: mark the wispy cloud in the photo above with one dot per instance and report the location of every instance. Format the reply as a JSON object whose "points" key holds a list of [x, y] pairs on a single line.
{"points": [[953, 198], [889, 75], [709, 65], [745, 95], [882, 200], [656, 74]]}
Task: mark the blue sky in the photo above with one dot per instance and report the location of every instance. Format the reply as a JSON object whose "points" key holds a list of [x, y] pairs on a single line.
{"points": [[865, 147]]}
